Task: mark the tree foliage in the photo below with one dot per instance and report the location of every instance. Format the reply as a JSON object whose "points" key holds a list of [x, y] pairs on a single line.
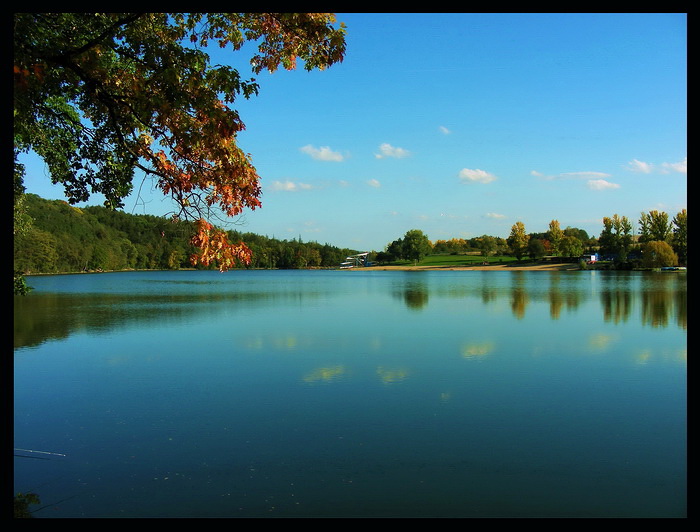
{"points": [[536, 248], [64, 239], [570, 246], [616, 237], [657, 254], [555, 235], [680, 236], [518, 240], [100, 95], [654, 226], [415, 245]]}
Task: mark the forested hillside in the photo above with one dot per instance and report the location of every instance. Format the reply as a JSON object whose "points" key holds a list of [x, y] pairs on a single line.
{"points": [[63, 238]]}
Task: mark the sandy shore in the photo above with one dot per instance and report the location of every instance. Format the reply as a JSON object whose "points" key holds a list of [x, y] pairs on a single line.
{"points": [[494, 267]]}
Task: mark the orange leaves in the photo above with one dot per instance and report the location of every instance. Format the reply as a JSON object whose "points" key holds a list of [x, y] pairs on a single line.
{"points": [[214, 248], [22, 76], [155, 103]]}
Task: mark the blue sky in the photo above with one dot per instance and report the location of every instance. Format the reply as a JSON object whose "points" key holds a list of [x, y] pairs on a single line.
{"points": [[463, 124]]}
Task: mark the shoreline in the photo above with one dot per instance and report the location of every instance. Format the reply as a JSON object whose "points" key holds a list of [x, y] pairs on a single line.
{"points": [[491, 267]]}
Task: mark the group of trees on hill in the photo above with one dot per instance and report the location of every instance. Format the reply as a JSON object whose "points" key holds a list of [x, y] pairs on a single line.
{"points": [[57, 237], [52, 236], [659, 242]]}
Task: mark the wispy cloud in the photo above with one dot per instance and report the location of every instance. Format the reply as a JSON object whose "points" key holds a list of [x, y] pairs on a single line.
{"points": [[374, 183], [591, 176], [476, 176], [601, 184], [323, 153], [596, 180], [444, 130], [585, 175], [680, 167], [289, 186], [387, 150], [495, 215], [638, 166]]}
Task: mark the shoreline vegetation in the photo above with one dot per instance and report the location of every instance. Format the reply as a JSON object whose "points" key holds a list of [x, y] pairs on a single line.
{"points": [[495, 266], [514, 266], [57, 238]]}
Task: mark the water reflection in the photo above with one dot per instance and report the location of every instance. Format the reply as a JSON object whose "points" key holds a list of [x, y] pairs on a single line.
{"points": [[412, 288], [459, 394], [477, 349], [392, 375], [657, 299], [326, 374], [660, 298]]}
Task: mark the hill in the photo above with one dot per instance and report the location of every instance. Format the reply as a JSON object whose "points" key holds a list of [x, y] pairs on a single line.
{"points": [[63, 239]]}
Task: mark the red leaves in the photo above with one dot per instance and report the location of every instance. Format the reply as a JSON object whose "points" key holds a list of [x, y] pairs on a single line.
{"points": [[215, 249]]}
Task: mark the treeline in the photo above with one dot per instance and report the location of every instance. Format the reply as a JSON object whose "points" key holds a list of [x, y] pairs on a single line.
{"points": [[657, 242], [569, 242], [57, 238]]}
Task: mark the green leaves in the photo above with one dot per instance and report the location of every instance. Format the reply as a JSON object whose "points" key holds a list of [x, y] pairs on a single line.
{"points": [[101, 95]]}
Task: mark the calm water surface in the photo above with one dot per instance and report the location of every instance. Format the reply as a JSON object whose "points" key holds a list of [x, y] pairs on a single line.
{"points": [[352, 394]]}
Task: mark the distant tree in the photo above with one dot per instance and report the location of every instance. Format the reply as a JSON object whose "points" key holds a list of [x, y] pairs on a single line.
{"points": [[654, 226], [555, 234], [680, 236], [616, 237], [313, 258], [570, 246], [657, 254], [581, 234], [487, 245], [518, 240], [536, 248], [415, 245], [395, 250], [382, 257]]}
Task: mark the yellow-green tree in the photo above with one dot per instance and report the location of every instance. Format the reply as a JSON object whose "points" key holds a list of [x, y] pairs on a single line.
{"points": [[555, 235], [657, 254], [654, 226], [518, 240]]}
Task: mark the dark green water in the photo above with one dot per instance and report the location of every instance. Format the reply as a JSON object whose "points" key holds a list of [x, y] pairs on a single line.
{"points": [[353, 394]]}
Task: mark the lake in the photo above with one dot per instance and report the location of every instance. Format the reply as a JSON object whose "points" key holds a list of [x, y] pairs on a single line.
{"points": [[352, 394]]}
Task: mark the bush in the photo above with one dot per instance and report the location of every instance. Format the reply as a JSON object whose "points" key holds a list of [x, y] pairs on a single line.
{"points": [[657, 254]]}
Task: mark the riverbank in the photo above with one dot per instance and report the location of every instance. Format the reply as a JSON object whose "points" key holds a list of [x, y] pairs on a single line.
{"points": [[545, 266]]}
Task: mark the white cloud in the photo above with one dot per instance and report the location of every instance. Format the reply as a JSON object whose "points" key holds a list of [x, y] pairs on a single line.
{"points": [[495, 215], [647, 168], [638, 166], [289, 186], [444, 130], [476, 176], [387, 150], [681, 167], [601, 184], [323, 153], [374, 183]]}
